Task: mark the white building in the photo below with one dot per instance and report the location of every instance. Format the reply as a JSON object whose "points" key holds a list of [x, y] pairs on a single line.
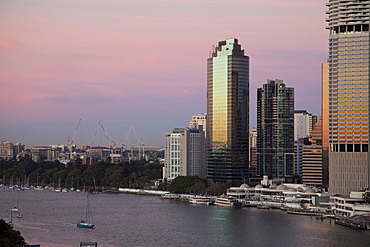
{"points": [[303, 124], [184, 153], [350, 206], [199, 122]]}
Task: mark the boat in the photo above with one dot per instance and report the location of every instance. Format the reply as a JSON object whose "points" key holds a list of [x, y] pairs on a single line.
{"points": [[19, 211], [201, 200], [227, 201], [88, 222], [309, 212]]}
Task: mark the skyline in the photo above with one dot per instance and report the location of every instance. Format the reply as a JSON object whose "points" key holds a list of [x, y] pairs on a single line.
{"points": [[143, 63]]}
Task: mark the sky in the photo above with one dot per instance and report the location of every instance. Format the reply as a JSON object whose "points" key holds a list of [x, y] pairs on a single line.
{"points": [[139, 66]]}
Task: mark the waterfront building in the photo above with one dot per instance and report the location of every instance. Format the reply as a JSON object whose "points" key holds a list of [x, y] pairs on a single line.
{"points": [[275, 130], [199, 122], [228, 112], [184, 153], [348, 95], [350, 205]]}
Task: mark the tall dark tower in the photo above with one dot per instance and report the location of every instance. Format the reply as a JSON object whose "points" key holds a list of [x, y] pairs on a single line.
{"points": [[228, 112], [275, 130]]}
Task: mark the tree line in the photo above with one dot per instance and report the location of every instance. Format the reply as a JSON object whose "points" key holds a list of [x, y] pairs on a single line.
{"points": [[135, 174]]}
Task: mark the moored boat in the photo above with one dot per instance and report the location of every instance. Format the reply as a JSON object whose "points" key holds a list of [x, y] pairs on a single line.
{"points": [[201, 200], [88, 222], [227, 201], [85, 224]]}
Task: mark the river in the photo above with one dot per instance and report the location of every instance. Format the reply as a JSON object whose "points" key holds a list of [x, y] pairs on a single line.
{"points": [[49, 219]]}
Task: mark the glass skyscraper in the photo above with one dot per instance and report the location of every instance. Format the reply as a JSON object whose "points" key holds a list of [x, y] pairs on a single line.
{"points": [[228, 112], [275, 130], [348, 95]]}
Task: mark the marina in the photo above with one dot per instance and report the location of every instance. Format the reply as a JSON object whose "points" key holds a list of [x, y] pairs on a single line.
{"points": [[135, 220]]}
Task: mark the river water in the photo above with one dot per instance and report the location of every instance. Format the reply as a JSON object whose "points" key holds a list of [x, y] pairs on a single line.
{"points": [[49, 219]]}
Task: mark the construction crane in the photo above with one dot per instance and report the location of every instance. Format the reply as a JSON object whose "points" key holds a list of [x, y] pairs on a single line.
{"points": [[128, 142], [111, 143], [97, 128], [71, 141]]}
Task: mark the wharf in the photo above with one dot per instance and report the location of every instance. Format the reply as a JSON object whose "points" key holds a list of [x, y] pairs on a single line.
{"points": [[357, 222]]}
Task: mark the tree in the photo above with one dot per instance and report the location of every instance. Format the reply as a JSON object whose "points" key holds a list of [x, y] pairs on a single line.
{"points": [[182, 184], [10, 237]]}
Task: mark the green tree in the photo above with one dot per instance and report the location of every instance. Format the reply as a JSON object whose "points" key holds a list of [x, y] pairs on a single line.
{"points": [[182, 184], [113, 176], [73, 176], [10, 237]]}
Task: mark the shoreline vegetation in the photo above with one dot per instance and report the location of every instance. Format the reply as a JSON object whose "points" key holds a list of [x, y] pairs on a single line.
{"points": [[102, 176]]}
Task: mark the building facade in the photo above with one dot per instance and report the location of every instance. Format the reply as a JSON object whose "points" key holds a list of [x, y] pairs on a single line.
{"points": [[184, 153], [275, 130], [312, 159], [348, 95], [6, 150], [304, 123], [228, 112], [10, 150], [199, 122], [253, 152], [325, 123]]}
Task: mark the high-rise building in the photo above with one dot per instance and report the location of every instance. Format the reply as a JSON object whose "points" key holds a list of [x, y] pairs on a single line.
{"points": [[6, 150], [304, 123], [275, 130], [325, 123], [199, 122], [348, 95], [228, 112], [184, 153]]}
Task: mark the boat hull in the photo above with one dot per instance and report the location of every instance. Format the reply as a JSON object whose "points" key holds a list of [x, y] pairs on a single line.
{"points": [[85, 225]]}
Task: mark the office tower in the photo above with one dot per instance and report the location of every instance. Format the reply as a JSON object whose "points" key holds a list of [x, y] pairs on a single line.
{"points": [[199, 122], [325, 123], [184, 153], [228, 112], [275, 130], [348, 95], [304, 123]]}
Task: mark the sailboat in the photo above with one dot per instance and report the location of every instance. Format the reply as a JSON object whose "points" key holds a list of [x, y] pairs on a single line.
{"points": [[87, 223], [19, 213]]}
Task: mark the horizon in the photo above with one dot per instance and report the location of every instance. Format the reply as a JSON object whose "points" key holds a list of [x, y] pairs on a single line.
{"points": [[142, 64]]}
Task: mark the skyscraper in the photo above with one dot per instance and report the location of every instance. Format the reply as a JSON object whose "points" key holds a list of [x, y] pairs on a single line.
{"points": [[228, 112], [348, 95], [275, 130]]}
